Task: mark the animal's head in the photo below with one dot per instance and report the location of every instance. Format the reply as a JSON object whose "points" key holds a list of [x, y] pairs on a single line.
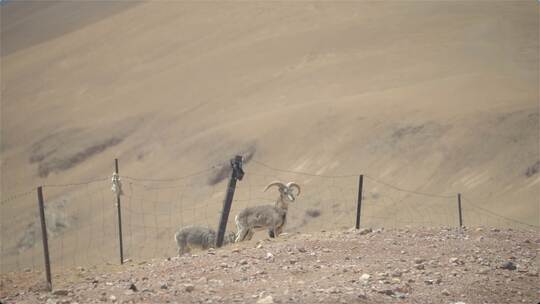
{"points": [[286, 191]]}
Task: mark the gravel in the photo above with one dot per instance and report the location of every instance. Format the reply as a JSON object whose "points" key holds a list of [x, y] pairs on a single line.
{"points": [[382, 266]]}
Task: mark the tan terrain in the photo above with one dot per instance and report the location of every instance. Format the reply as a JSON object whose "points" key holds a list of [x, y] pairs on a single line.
{"points": [[436, 98], [395, 266]]}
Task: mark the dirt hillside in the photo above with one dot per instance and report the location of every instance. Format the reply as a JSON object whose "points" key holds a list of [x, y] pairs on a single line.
{"points": [[396, 266], [434, 97]]}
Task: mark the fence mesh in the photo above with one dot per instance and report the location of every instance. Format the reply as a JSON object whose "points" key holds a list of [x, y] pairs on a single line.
{"points": [[82, 219], [20, 239], [386, 205], [154, 210], [81, 224]]}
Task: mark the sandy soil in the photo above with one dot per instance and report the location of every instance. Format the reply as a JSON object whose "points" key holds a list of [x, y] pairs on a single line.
{"points": [[439, 97]]}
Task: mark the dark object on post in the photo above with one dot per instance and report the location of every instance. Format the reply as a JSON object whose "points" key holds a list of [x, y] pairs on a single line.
{"points": [[44, 237], [119, 217], [459, 210], [359, 206], [237, 174]]}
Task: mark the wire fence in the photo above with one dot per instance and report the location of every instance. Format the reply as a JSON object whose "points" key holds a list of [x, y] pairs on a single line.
{"points": [[82, 223]]}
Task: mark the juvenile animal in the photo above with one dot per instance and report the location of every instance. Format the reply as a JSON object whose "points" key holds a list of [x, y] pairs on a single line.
{"points": [[199, 237], [272, 218]]}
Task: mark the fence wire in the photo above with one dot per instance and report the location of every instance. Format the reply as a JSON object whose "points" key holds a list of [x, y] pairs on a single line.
{"points": [[82, 222], [20, 235]]}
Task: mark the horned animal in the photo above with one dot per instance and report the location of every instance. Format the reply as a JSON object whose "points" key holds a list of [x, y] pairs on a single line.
{"points": [[268, 217], [199, 237]]}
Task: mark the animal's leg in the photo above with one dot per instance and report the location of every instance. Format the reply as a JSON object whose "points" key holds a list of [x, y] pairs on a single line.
{"points": [[183, 250], [278, 231], [250, 234], [242, 232], [271, 233]]}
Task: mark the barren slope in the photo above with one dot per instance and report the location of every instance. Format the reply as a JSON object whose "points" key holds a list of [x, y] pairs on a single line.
{"points": [[401, 266], [438, 97]]}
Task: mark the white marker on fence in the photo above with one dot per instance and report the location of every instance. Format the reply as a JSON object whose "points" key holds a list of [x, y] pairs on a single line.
{"points": [[116, 184]]}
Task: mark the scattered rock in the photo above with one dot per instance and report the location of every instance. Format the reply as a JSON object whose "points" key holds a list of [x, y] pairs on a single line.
{"points": [[455, 261], [399, 295], [361, 295], [189, 287], [382, 274], [483, 271], [508, 265], [266, 300], [60, 292], [532, 273], [364, 231], [132, 287], [202, 280], [335, 277], [388, 292]]}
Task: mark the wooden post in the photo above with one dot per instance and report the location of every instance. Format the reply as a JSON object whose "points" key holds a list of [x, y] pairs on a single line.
{"points": [[459, 210], [44, 237], [237, 174], [359, 205], [119, 217]]}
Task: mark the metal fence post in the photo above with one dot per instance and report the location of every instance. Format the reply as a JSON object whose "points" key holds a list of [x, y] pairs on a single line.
{"points": [[237, 174], [459, 210], [359, 205], [119, 217], [44, 237]]}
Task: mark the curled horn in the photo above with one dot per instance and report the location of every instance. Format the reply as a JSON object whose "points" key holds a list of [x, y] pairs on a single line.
{"points": [[294, 185], [279, 184]]}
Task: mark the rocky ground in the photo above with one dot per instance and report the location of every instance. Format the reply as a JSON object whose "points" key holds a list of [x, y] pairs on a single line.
{"points": [[479, 265]]}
